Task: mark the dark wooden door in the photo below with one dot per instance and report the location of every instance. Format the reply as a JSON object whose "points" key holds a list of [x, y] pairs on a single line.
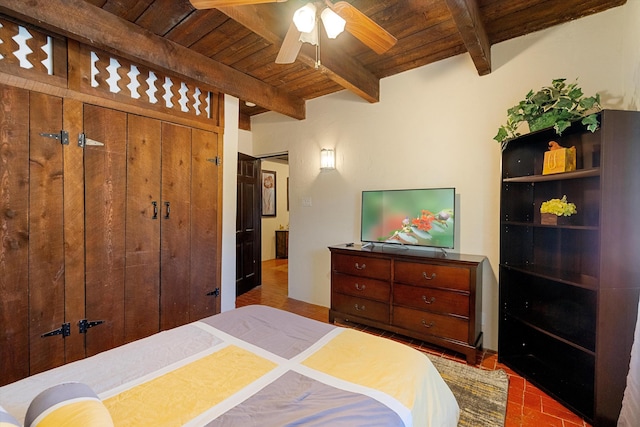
{"points": [[105, 194], [175, 230], [32, 234], [189, 226], [205, 230], [46, 239], [14, 234], [248, 246], [142, 241]]}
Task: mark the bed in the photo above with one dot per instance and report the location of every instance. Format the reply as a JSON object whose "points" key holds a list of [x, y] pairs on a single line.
{"points": [[253, 366]]}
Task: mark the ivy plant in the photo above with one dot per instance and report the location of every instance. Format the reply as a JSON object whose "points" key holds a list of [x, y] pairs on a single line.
{"points": [[557, 105]]}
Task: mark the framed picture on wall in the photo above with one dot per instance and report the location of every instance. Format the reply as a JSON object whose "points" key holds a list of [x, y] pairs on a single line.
{"points": [[268, 193]]}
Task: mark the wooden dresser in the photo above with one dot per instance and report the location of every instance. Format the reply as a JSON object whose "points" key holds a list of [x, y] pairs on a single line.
{"points": [[426, 295]]}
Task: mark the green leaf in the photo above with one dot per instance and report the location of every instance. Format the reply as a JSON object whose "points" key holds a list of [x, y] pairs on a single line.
{"points": [[502, 134], [575, 93], [529, 110], [559, 83], [561, 126], [540, 98], [591, 122], [513, 110], [542, 122], [564, 102], [588, 103]]}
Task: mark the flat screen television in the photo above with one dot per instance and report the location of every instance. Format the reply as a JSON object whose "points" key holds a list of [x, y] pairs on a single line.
{"points": [[418, 217]]}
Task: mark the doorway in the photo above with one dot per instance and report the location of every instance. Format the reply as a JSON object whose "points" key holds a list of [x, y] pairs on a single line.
{"points": [[261, 232], [275, 207]]}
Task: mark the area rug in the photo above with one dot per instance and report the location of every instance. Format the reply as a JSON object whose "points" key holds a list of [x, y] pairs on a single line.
{"points": [[481, 394]]}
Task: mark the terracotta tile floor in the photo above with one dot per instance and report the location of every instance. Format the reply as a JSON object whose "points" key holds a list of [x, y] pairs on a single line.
{"points": [[527, 406]]}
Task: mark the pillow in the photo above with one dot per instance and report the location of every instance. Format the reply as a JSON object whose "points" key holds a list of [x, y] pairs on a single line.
{"points": [[6, 420], [70, 405]]}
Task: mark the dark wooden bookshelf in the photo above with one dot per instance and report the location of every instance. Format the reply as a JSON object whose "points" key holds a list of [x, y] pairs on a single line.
{"points": [[569, 293]]}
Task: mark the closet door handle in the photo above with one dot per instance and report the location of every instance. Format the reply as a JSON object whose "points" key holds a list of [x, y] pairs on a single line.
{"points": [[167, 210], [155, 210]]}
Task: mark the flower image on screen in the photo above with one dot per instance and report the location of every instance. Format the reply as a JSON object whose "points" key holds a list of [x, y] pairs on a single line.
{"points": [[421, 217]]}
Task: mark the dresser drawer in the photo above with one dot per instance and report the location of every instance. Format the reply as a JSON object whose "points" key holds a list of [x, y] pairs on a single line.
{"points": [[430, 323], [361, 266], [430, 299], [434, 275], [360, 287], [360, 307]]}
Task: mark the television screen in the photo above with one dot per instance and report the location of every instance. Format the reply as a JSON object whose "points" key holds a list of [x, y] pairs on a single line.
{"points": [[420, 217]]}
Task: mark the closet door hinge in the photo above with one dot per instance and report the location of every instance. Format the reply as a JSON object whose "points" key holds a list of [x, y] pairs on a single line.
{"points": [[85, 324], [63, 136], [64, 330], [217, 160], [83, 141]]}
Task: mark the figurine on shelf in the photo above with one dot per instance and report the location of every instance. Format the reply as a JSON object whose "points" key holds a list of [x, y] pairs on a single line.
{"points": [[559, 159]]}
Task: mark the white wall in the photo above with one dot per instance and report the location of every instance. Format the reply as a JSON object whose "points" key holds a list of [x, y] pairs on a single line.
{"points": [[281, 220], [229, 171], [245, 142], [434, 127]]}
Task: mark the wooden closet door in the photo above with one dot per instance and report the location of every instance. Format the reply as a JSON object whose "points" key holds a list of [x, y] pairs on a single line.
{"points": [[105, 193], [204, 225], [175, 229], [142, 271], [14, 234], [46, 240]]}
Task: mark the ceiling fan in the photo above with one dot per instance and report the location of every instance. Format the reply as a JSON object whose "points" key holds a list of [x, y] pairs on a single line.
{"points": [[335, 18]]}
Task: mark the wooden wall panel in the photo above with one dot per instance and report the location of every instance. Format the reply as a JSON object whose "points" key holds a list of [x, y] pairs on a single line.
{"points": [[14, 237], [142, 274], [105, 194], [205, 226], [46, 229], [176, 226]]}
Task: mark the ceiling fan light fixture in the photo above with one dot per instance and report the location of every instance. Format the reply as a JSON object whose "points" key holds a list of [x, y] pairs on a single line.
{"points": [[305, 18], [333, 23], [311, 37]]}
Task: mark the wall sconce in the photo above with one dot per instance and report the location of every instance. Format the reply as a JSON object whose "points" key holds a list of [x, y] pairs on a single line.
{"points": [[327, 159]]}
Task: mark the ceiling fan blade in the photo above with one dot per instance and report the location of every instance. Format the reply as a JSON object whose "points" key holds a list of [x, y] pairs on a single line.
{"points": [[290, 46], [364, 28], [210, 4]]}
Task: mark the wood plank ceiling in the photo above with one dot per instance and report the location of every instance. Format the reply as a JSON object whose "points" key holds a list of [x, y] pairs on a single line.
{"points": [[240, 43]]}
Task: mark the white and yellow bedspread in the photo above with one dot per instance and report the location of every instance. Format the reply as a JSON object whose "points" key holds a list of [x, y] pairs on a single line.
{"points": [[256, 366]]}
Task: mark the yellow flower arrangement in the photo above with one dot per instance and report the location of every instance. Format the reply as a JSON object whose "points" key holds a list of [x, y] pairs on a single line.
{"points": [[559, 207]]}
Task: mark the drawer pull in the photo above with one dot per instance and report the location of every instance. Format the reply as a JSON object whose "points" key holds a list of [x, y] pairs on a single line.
{"points": [[359, 307], [427, 325], [433, 276], [428, 301], [360, 287], [360, 267]]}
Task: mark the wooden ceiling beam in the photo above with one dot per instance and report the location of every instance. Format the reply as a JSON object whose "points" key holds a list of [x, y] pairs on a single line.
{"points": [[79, 20], [466, 14], [335, 64]]}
